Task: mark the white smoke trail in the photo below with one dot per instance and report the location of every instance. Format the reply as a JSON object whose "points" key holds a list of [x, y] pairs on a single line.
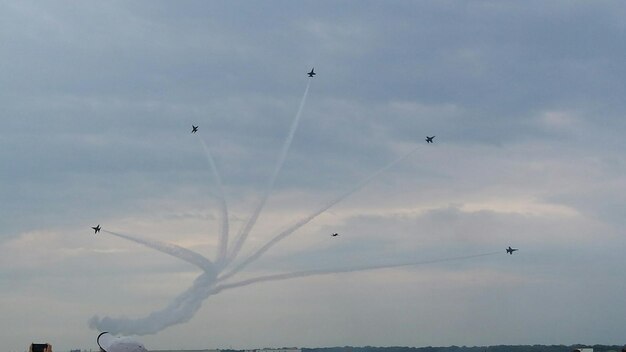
{"points": [[222, 249], [300, 274], [256, 255], [243, 234], [179, 311], [171, 249]]}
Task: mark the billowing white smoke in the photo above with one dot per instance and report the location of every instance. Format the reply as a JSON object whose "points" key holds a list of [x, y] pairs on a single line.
{"points": [[179, 311], [182, 307], [110, 343]]}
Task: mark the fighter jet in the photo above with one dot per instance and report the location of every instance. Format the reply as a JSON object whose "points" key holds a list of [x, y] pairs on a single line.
{"points": [[194, 129], [96, 229], [334, 235], [429, 139], [312, 73], [511, 250]]}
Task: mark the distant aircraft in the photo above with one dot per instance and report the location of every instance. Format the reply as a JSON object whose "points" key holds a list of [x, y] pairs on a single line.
{"points": [[96, 229], [194, 129], [312, 73], [334, 235], [110, 343], [511, 250], [429, 139]]}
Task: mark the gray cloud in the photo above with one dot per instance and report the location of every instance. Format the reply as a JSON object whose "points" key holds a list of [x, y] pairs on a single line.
{"points": [[525, 99]]}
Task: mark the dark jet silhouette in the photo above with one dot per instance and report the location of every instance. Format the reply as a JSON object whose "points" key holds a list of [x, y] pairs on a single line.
{"points": [[334, 235], [194, 129], [429, 139], [312, 73], [96, 229], [511, 250]]}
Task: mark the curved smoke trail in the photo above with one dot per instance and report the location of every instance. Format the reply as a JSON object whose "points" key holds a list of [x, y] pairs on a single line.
{"points": [[185, 254], [179, 311], [223, 239], [256, 255], [243, 234], [299, 274]]}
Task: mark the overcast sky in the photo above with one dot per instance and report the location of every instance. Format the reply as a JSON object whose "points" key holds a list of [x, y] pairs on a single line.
{"points": [[526, 100]]}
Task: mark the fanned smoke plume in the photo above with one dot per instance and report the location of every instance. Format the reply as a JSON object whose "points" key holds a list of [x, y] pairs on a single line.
{"points": [[256, 255], [213, 278], [179, 311]]}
